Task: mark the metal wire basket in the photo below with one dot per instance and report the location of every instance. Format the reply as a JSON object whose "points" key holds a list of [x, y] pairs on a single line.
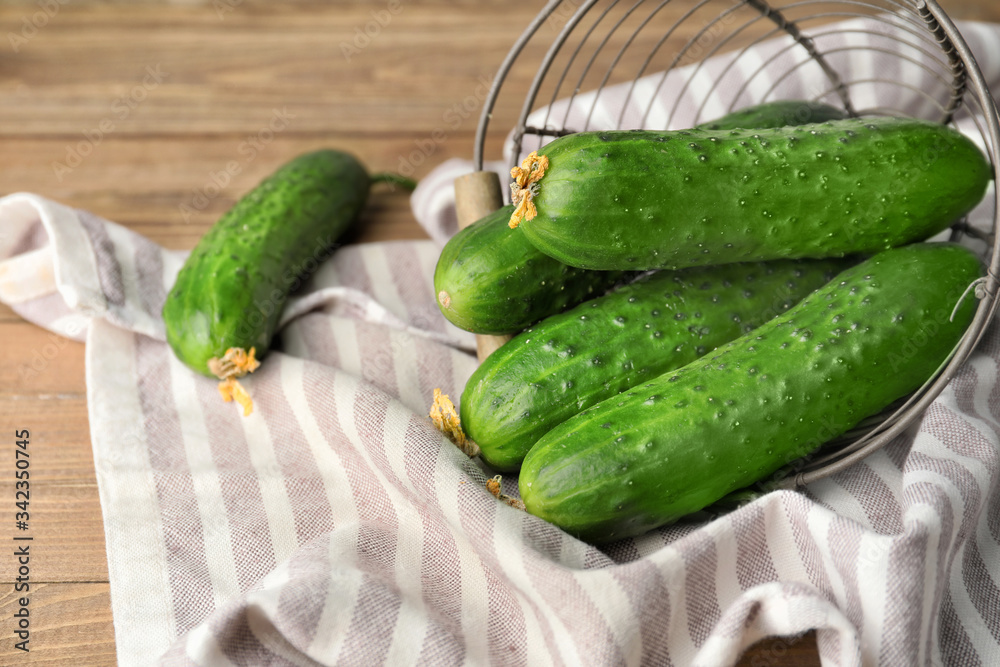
{"points": [[668, 64]]}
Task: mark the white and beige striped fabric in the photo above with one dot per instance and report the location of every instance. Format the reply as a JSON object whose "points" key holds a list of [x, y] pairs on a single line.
{"points": [[336, 526]]}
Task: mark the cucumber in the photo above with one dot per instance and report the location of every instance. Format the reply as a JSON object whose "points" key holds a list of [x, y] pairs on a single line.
{"points": [[646, 200], [490, 280], [776, 114], [665, 320], [231, 290], [689, 437]]}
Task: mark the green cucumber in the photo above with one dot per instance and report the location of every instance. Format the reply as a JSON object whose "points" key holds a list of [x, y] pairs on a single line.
{"points": [[490, 280], [231, 290], [645, 200], [665, 320], [780, 113], [682, 441]]}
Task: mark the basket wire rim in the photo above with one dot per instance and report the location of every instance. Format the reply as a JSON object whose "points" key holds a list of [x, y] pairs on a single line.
{"points": [[969, 77]]}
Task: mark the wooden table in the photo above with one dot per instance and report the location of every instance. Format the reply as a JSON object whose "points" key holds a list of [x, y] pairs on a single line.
{"points": [[166, 94]]}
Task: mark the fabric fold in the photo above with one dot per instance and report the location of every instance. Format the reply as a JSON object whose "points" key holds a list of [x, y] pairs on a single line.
{"points": [[336, 526]]}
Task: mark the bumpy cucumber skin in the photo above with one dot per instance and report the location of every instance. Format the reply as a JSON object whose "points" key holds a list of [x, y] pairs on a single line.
{"points": [[233, 286], [682, 441], [645, 200], [780, 113], [490, 280], [665, 320]]}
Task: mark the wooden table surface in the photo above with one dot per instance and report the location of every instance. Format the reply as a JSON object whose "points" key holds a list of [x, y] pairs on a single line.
{"points": [[164, 95]]}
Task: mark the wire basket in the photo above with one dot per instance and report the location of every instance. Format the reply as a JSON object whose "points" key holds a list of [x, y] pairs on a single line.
{"points": [[671, 64]]}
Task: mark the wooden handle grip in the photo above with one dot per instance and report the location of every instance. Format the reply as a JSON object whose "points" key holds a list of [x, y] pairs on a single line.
{"points": [[477, 195]]}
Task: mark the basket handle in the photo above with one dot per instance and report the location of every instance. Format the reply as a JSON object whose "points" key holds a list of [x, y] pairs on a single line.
{"points": [[477, 195]]}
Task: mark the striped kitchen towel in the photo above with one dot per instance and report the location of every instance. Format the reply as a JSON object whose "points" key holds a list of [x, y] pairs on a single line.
{"points": [[336, 526]]}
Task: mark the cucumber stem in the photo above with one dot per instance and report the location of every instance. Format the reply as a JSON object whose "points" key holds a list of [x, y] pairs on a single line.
{"points": [[235, 363], [493, 486], [445, 419], [392, 180], [525, 187], [231, 390]]}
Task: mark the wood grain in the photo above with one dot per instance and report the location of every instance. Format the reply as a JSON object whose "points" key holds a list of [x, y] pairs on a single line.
{"points": [[180, 108], [37, 363], [69, 624]]}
